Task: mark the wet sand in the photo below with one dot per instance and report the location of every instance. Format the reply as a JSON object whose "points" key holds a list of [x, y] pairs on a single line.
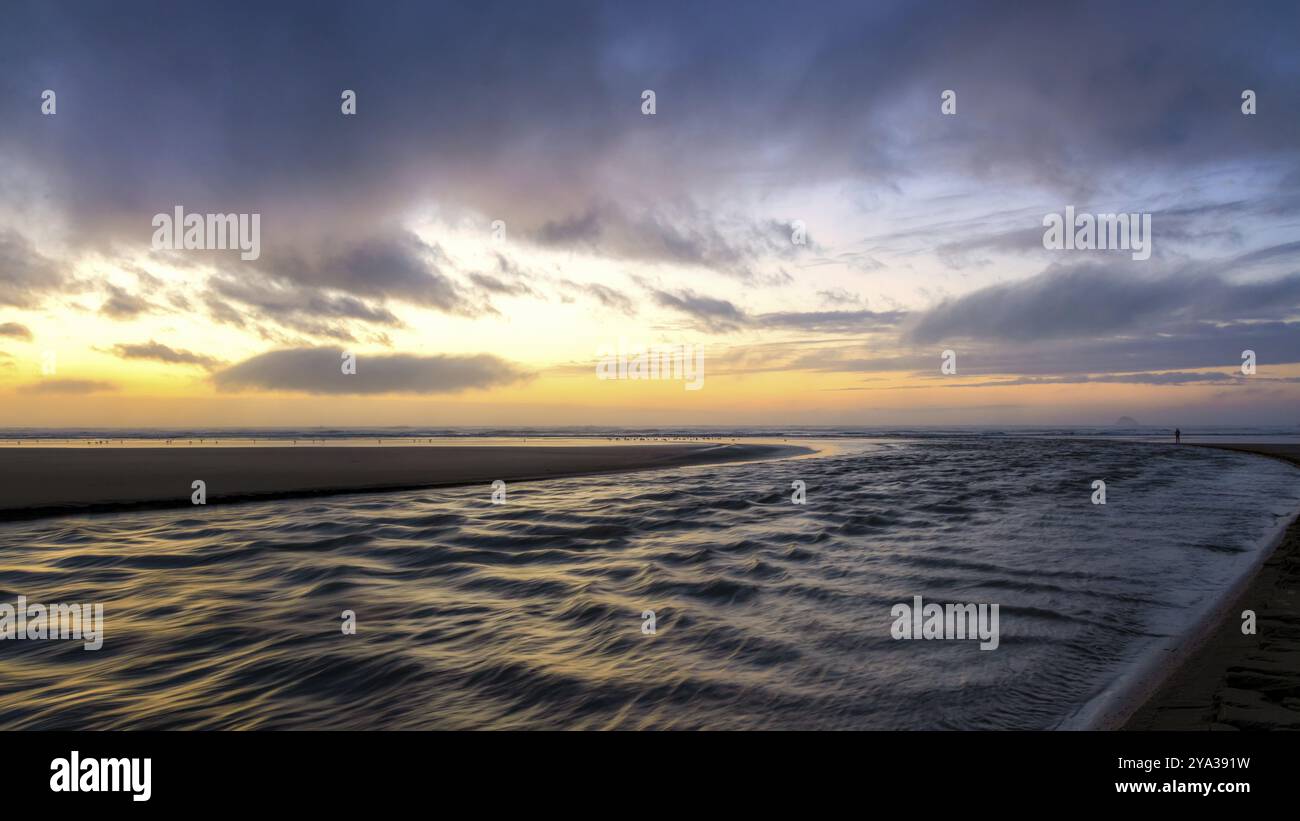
{"points": [[43, 481], [1242, 682]]}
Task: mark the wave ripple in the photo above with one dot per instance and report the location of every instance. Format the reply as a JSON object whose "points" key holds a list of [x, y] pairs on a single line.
{"points": [[528, 615]]}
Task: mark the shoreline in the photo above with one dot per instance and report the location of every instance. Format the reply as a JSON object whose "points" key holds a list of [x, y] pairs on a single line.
{"points": [[1220, 678], [50, 481]]}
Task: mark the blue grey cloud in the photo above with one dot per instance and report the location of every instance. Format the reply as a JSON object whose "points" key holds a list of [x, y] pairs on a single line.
{"points": [[164, 353], [1091, 300], [320, 371], [532, 111]]}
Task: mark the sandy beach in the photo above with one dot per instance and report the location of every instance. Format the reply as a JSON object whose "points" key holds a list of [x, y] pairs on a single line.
{"points": [[44, 481], [1233, 681]]}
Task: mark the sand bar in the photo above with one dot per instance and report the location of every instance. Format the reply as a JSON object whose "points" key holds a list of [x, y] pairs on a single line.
{"points": [[37, 482], [1233, 681]]}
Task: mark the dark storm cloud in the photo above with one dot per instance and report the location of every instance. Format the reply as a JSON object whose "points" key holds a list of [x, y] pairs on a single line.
{"points": [[395, 264], [1112, 318], [532, 110], [319, 371], [1092, 300]]}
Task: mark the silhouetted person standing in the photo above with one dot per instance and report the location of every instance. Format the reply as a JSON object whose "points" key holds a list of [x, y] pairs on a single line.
{"points": [[1178, 436]]}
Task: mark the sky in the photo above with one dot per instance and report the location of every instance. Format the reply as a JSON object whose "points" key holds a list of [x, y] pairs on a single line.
{"points": [[800, 207]]}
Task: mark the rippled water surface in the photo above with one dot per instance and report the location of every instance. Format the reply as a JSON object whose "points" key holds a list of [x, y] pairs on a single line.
{"points": [[528, 614]]}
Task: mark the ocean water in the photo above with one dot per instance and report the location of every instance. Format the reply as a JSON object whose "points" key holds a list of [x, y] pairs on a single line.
{"points": [[768, 614], [1163, 433]]}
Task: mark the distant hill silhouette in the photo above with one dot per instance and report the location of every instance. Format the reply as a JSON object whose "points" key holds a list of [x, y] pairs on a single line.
{"points": [[1127, 422]]}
